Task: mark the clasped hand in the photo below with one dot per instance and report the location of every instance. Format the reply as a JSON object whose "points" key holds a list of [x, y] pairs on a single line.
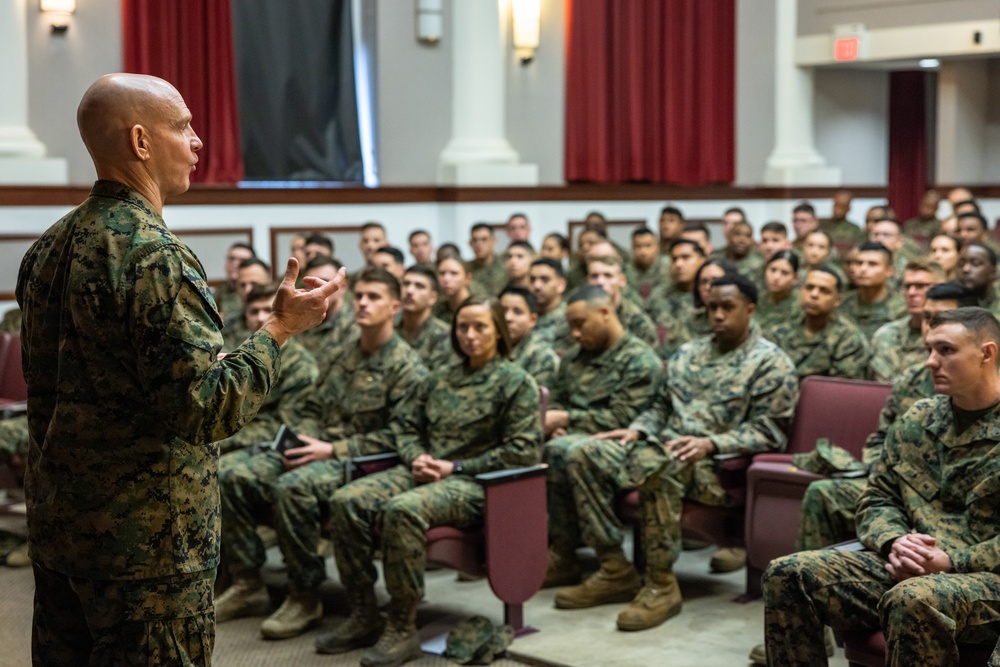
{"points": [[915, 555], [426, 469]]}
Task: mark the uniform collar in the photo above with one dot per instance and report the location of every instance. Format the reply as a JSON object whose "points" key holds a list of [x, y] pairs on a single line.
{"points": [[122, 192], [941, 424]]}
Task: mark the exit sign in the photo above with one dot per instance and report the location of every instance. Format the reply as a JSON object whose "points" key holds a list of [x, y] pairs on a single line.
{"points": [[846, 48]]}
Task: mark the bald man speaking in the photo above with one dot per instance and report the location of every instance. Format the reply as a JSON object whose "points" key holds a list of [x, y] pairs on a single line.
{"points": [[126, 396]]}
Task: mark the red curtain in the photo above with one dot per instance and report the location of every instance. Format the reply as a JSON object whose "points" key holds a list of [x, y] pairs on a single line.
{"points": [[907, 142], [190, 44], [650, 87]]}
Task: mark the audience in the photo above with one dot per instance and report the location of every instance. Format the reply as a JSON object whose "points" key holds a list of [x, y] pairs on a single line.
{"points": [[322, 340], [779, 303], [842, 231], [977, 272], [227, 294], [421, 248], [416, 324], [672, 302], [251, 272], [548, 284], [518, 228], [486, 269], [456, 286], [925, 225], [316, 245], [391, 259], [556, 246], [649, 266], [944, 252], [873, 303], [530, 351], [698, 232], [695, 322], [671, 227], [739, 247], [520, 255]]}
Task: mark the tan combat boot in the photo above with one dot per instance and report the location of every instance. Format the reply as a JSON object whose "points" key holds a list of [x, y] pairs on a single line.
{"points": [[659, 599], [399, 643], [359, 630], [246, 597], [616, 581], [758, 655], [564, 569], [728, 559], [19, 557], [299, 611]]}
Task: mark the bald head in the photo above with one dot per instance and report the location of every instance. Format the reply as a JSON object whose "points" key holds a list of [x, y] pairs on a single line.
{"points": [[137, 129]]}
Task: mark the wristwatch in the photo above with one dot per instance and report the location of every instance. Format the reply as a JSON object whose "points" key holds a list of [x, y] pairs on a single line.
{"points": [[457, 467]]}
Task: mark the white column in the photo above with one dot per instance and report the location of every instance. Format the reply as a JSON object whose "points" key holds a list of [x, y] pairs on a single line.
{"points": [[478, 152], [963, 112], [794, 160], [22, 155]]}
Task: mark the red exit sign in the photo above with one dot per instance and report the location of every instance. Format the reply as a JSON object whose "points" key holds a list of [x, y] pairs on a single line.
{"points": [[846, 48]]}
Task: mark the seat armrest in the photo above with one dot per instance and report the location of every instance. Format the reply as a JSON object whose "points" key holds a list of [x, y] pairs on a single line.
{"points": [[369, 465], [511, 474], [13, 409], [384, 457], [731, 470]]}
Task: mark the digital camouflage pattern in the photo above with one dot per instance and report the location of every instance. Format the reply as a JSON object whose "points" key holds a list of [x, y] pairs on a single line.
{"points": [[602, 391], [869, 317], [13, 438], [840, 350], [235, 332], [895, 347], [676, 331], [476, 641], [296, 380], [770, 314], [656, 274], [536, 355], [632, 317], [432, 342], [843, 232], [11, 322], [489, 418], [490, 279], [922, 231], [929, 480], [227, 299], [324, 341], [442, 310], [670, 309], [549, 322], [126, 394], [354, 409], [749, 265]]}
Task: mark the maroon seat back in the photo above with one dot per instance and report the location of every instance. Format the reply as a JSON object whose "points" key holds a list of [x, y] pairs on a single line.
{"points": [[12, 385], [821, 413]]}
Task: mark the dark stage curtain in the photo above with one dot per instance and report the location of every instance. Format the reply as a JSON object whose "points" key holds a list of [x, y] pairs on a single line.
{"points": [[907, 142], [650, 88], [190, 44]]}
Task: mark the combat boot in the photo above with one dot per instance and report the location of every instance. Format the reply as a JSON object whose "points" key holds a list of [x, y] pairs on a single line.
{"points": [[19, 557], [616, 581], [246, 597], [299, 611], [728, 559], [659, 599], [399, 643], [564, 568], [359, 630], [758, 655]]}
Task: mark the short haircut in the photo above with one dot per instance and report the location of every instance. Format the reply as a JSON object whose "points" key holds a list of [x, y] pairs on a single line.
{"points": [[885, 219], [988, 250], [375, 274], [953, 290], [775, 228], [742, 283], [924, 264], [262, 291], [735, 209], [589, 294], [418, 232], [524, 293], [697, 227], [786, 255], [727, 267], [482, 225], [829, 239], [522, 244], [449, 251], [642, 231], [394, 252], [826, 268], [598, 215], [254, 261], [982, 221], [244, 246], [426, 272], [323, 260], [609, 260], [875, 246], [742, 223], [560, 239], [694, 244], [372, 225], [597, 228], [958, 244], [804, 207], [516, 215], [319, 239], [979, 322], [454, 258], [552, 264], [504, 346], [672, 210]]}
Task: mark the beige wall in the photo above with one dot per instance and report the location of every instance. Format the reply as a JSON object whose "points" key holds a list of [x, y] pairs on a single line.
{"points": [[819, 16]]}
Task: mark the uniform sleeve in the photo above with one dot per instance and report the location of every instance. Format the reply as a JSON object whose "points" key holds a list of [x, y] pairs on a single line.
{"points": [[653, 419], [522, 436], [850, 356], [543, 365], [400, 393], [644, 329], [412, 423], [881, 517], [883, 356], [886, 418], [176, 340], [638, 386], [773, 395]]}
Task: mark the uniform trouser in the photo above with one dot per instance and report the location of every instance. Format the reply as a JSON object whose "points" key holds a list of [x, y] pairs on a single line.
{"points": [[595, 472], [403, 511], [169, 621], [13, 438], [828, 512], [250, 483], [923, 617]]}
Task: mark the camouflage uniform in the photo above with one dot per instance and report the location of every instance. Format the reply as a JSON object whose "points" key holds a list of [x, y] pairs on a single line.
{"points": [[929, 480], [488, 418], [895, 347], [602, 391], [670, 309], [11, 322], [432, 342], [749, 265], [235, 333], [991, 302], [839, 350], [125, 398], [742, 400], [354, 410], [535, 355], [324, 340], [677, 331], [922, 231], [869, 317], [491, 279], [770, 314], [828, 504], [297, 377], [549, 322], [442, 310], [13, 438], [229, 303], [844, 233], [657, 274], [635, 321]]}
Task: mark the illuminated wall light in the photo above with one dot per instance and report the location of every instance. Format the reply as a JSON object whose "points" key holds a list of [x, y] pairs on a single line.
{"points": [[929, 63], [526, 27], [58, 12], [430, 21]]}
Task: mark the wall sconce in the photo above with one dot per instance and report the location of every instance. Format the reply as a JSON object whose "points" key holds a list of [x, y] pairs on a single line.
{"points": [[526, 20], [58, 12], [430, 21]]}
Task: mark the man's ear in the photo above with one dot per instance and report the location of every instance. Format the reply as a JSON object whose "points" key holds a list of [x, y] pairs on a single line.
{"points": [[989, 351], [139, 141]]}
